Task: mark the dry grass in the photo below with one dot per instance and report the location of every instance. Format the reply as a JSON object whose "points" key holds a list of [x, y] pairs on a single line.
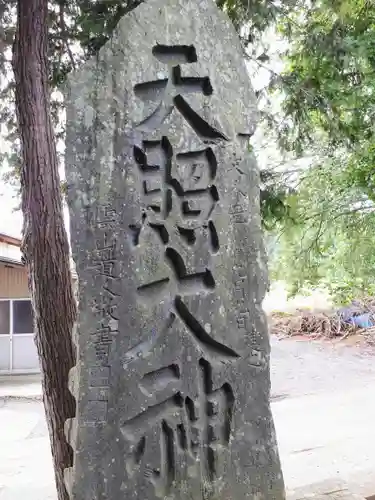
{"points": [[312, 324], [324, 324], [369, 335]]}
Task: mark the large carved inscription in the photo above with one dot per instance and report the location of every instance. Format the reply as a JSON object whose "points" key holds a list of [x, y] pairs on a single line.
{"points": [[193, 427]]}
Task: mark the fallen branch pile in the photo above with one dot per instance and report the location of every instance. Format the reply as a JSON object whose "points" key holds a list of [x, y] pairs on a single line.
{"points": [[313, 324], [341, 323]]}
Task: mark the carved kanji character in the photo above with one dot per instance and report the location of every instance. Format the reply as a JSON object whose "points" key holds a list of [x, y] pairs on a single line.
{"points": [[172, 90], [243, 320], [104, 258], [183, 430], [106, 217]]}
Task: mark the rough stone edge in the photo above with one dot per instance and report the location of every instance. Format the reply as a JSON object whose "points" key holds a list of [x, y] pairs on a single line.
{"points": [[71, 424]]}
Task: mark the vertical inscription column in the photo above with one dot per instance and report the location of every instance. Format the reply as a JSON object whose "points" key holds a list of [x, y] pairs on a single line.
{"points": [[179, 196], [105, 268]]}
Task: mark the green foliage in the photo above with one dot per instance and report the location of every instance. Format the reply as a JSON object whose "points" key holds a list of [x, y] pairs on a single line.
{"points": [[256, 15], [329, 79], [328, 90], [276, 201], [331, 238]]}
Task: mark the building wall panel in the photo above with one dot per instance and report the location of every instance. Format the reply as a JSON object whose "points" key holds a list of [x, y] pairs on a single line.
{"points": [[13, 282]]}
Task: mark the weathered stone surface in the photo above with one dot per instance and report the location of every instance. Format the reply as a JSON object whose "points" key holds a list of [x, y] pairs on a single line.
{"points": [[172, 381]]}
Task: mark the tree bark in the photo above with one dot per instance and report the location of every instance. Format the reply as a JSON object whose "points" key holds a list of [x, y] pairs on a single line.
{"points": [[45, 244]]}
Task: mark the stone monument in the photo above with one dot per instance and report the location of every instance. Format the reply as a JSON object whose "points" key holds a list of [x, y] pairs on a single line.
{"points": [[172, 378]]}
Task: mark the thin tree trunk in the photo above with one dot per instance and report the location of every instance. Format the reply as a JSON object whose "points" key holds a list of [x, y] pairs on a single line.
{"points": [[45, 244]]}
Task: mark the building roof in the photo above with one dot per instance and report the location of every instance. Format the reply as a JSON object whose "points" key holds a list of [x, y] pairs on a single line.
{"points": [[10, 252], [11, 262], [10, 249], [10, 240]]}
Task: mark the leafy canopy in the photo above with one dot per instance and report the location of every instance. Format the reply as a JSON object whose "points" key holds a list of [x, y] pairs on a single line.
{"points": [[328, 89]]}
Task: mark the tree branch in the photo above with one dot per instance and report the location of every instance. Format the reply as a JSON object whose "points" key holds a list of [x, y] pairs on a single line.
{"points": [[64, 34]]}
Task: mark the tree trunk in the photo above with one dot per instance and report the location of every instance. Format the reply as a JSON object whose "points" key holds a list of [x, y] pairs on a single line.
{"points": [[45, 244]]}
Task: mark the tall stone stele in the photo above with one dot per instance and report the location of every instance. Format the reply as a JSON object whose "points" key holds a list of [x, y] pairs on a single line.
{"points": [[172, 379]]}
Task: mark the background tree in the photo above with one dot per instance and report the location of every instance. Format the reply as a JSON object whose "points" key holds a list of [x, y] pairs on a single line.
{"points": [[45, 245], [328, 102]]}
